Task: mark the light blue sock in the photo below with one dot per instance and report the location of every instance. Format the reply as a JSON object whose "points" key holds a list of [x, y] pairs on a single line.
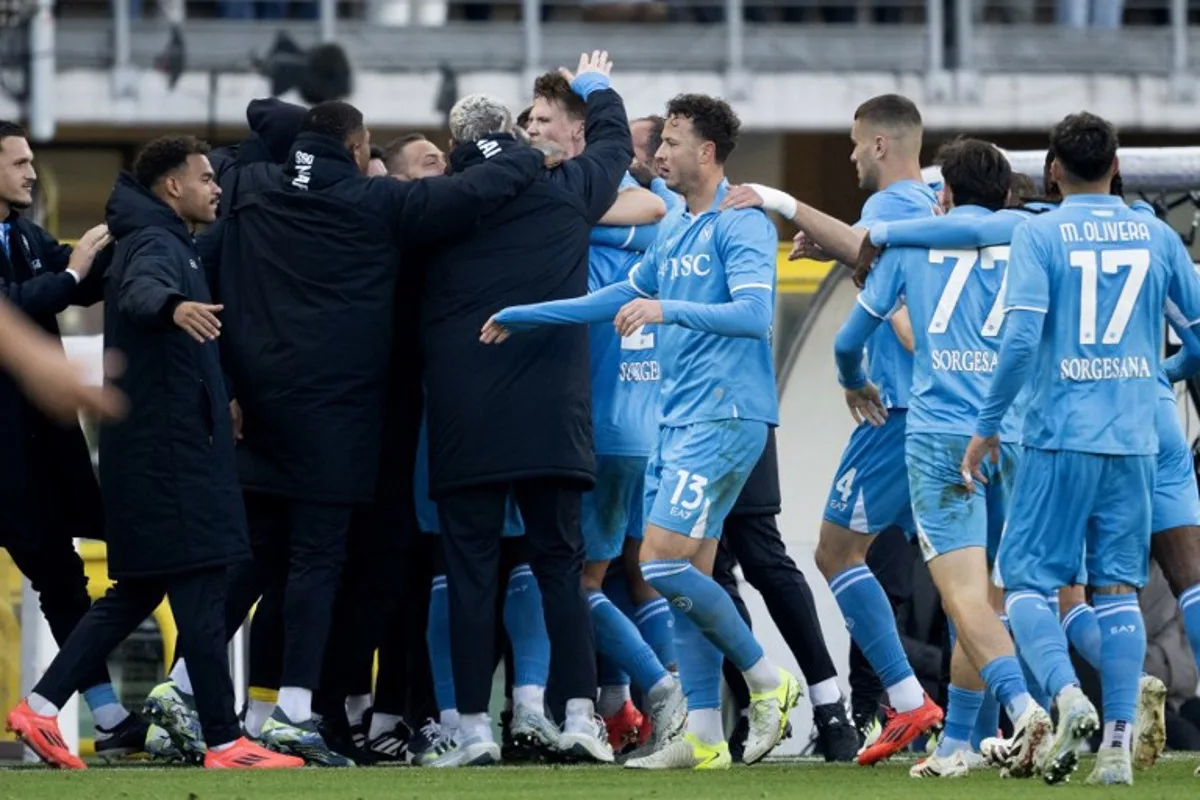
{"points": [[961, 714], [1122, 654], [699, 664], [438, 637], [617, 639], [1083, 631], [707, 605], [1036, 630], [525, 622], [657, 625], [1189, 606], [1004, 679], [609, 674], [987, 722], [1031, 680], [871, 622], [107, 710]]}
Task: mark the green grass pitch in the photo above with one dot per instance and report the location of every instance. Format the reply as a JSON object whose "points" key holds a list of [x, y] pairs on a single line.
{"points": [[777, 780]]}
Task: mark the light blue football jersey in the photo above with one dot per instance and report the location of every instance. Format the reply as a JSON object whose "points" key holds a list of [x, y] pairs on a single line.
{"points": [[955, 302], [707, 258], [889, 365], [625, 369], [1102, 274]]}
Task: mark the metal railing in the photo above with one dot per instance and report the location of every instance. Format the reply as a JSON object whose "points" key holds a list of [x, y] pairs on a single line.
{"points": [[951, 42]]}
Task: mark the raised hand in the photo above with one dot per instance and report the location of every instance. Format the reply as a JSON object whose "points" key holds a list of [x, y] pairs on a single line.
{"points": [[596, 62], [85, 250]]}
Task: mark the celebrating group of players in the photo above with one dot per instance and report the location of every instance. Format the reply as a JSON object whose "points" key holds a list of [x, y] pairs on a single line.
{"points": [[1001, 360]]}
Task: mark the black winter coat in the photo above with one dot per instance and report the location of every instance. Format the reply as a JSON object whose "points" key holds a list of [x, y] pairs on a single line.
{"points": [[309, 259], [521, 409], [167, 470], [47, 484]]}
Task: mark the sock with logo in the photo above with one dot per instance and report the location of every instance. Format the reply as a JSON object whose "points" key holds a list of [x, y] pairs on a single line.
{"points": [[1189, 607], [657, 626], [1036, 630], [438, 638], [1004, 679], [618, 640], [526, 625], [1083, 632], [872, 625], [961, 714], [1122, 654], [707, 605]]}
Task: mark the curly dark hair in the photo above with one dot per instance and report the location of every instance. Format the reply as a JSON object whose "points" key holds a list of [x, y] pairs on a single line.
{"points": [[165, 154], [976, 171], [1085, 145], [712, 118], [554, 88]]}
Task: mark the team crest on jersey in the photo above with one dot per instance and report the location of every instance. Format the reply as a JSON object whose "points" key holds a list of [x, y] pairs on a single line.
{"points": [[706, 234], [192, 263], [35, 264]]}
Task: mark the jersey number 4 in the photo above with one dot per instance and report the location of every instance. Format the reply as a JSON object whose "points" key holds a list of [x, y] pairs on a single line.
{"points": [[964, 262], [1110, 263]]}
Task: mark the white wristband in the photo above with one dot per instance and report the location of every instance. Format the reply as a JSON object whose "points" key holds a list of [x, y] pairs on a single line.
{"points": [[73, 274], [775, 200]]}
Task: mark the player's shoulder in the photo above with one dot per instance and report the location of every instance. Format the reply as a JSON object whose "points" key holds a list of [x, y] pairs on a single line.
{"points": [[744, 222]]}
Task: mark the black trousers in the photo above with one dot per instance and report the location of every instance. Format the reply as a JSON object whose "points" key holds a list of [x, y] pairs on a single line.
{"points": [[404, 685], [299, 551], [472, 523], [198, 605], [56, 573], [754, 542]]}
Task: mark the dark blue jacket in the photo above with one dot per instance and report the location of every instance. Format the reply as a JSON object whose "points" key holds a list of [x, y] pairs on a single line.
{"points": [[167, 470], [47, 484], [521, 409], [309, 258]]}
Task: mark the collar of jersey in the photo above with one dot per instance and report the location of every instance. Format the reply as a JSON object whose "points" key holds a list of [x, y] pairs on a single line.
{"points": [[1093, 200], [722, 188], [968, 211]]}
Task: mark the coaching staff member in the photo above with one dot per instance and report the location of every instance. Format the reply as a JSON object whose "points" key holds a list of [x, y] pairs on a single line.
{"points": [[172, 501], [519, 420], [309, 261]]}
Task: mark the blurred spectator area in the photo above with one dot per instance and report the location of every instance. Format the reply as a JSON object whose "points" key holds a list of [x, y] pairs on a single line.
{"points": [[1069, 13]]}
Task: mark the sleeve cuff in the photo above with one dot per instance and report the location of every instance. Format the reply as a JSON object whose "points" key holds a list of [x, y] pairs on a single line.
{"points": [[987, 429], [74, 275], [879, 234]]}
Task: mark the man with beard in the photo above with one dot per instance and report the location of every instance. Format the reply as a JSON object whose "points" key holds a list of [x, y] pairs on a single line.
{"points": [[174, 512], [308, 342], [47, 487]]}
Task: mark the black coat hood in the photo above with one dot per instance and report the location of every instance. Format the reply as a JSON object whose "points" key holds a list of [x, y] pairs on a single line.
{"points": [[317, 162], [274, 126], [132, 207]]}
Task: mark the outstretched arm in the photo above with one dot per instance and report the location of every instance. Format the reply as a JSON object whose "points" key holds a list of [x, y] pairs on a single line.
{"points": [[595, 307], [637, 238], [951, 231]]}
